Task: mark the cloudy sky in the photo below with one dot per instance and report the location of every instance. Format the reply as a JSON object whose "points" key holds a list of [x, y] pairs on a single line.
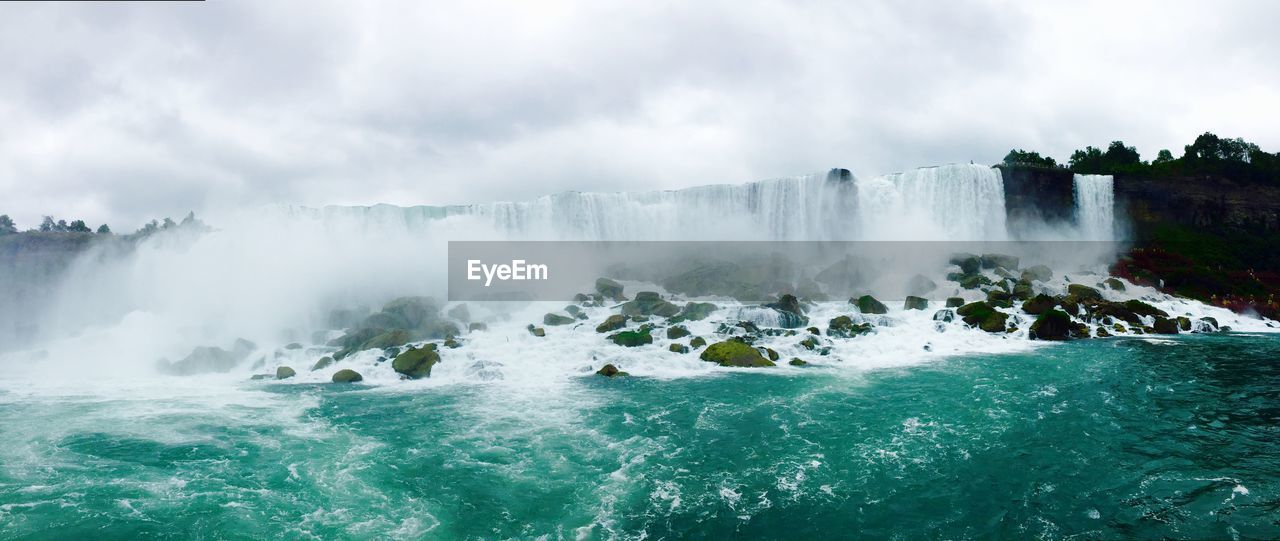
{"points": [[122, 112]]}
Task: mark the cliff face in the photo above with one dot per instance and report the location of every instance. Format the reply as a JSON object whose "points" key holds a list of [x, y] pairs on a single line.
{"points": [[1211, 205], [1034, 195]]}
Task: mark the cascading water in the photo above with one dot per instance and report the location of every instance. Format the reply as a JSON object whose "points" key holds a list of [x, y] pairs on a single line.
{"points": [[1095, 206], [950, 202]]}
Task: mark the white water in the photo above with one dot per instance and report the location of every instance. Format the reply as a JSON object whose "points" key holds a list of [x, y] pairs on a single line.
{"points": [[1095, 206]]}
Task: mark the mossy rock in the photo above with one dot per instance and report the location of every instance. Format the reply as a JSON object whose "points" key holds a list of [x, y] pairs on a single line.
{"points": [[678, 348], [450, 343], [999, 298], [1039, 304], [537, 331], [389, 339], [677, 332], [844, 327], [1022, 290], [285, 372], [1102, 332], [1143, 309], [869, 305], [796, 361], [771, 354], [415, 363], [734, 353], [573, 310], [1164, 325], [697, 342], [1184, 324], [612, 323], [697, 311], [954, 302], [915, 303], [1053, 325], [810, 343], [1080, 292], [347, 375], [609, 289], [984, 316], [968, 263], [321, 364], [649, 303], [1211, 323], [993, 261], [552, 320], [1114, 283], [611, 371], [974, 281], [1037, 273], [631, 339]]}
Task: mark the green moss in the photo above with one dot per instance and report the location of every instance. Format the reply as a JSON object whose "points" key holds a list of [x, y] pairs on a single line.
{"points": [[347, 375], [415, 363], [734, 353], [631, 339]]}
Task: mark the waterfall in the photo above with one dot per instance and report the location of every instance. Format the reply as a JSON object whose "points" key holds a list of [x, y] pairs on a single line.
{"points": [[950, 202], [1095, 206]]}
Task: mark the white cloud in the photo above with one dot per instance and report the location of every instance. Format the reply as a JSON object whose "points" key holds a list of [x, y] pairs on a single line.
{"points": [[119, 113]]}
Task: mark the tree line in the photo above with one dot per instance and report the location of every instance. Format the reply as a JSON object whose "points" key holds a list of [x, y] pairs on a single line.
{"points": [[50, 225], [1209, 155]]}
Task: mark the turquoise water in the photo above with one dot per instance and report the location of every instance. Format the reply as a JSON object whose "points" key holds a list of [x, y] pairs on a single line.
{"points": [[1120, 438]]}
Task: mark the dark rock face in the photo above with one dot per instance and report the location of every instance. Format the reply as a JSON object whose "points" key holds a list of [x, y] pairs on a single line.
{"points": [[968, 263], [869, 305], [1032, 195], [1002, 261], [696, 311], [915, 303], [734, 353], [609, 289], [1039, 304], [1164, 325], [955, 302], [649, 303], [1080, 292]]}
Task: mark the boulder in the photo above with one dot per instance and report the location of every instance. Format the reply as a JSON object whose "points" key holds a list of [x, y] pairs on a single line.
{"points": [[999, 298], [796, 361], [955, 302], [810, 343], [678, 348], [920, 285], [676, 332], [1022, 290], [869, 305], [611, 371], [450, 343], [537, 331], [734, 353], [612, 323], [321, 364], [1184, 324], [991, 261], [973, 281], [915, 303], [787, 303], [1143, 309], [696, 311], [609, 289], [552, 320], [649, 303], [205, 359], [984, 316], [414, 311], [415, 362], [347, 375], [285, 372], [1208, 324], [1164, 325], [1114, 283], [632, 339], [1037, 273], [844, 327], [1080, 293], [697, 342], [968, 263], [945, 315], [1039, 304], [389, 339], [1055, 325]]}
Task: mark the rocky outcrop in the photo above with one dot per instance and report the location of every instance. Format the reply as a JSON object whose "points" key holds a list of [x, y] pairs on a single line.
{"points": [[734, 353], [869, 305], [611, 371], [983, 315], [416, 363], [347, 375]]}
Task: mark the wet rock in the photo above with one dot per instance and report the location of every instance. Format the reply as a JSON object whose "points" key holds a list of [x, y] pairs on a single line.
{"points": [[945, 315], [770, 353], [1056, 325], [983, 315], [393, 338], [552, 320], [612, 323], [293, 345], [609, 289], [1080, 292], [973, 281], [955, 302], [1037, 273], [1208, 324], [1184, 324], [696, 311], [450, 343], [285, 372], [632, 339], [611, 371], [968, 263], [810, 343], [676, 332], [1114, 283], [1039, 304], [991, 261], [678, 348], [915, 303], [1102, 332], [869, 305], [1164, 325], [787, 303], [537, 331], [477, 327], [415, 363], [649, 303], [697, 342], [796, 361], [207, 359], [1022, 290], [258, 377], [347, 375], [321, 364], [734, 353], [999, 299], [844, 327]]}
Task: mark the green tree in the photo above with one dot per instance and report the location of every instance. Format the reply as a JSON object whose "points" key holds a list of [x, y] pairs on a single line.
{"points": [[7, 227], [61, 226], [1118, 155], [1162, 157], [47, 224], [104, 230], [1087, 161], [1019, 156], [77, 226]]}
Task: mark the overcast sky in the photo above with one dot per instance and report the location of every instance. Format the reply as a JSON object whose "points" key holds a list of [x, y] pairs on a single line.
{"points": [[122, 112]]}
